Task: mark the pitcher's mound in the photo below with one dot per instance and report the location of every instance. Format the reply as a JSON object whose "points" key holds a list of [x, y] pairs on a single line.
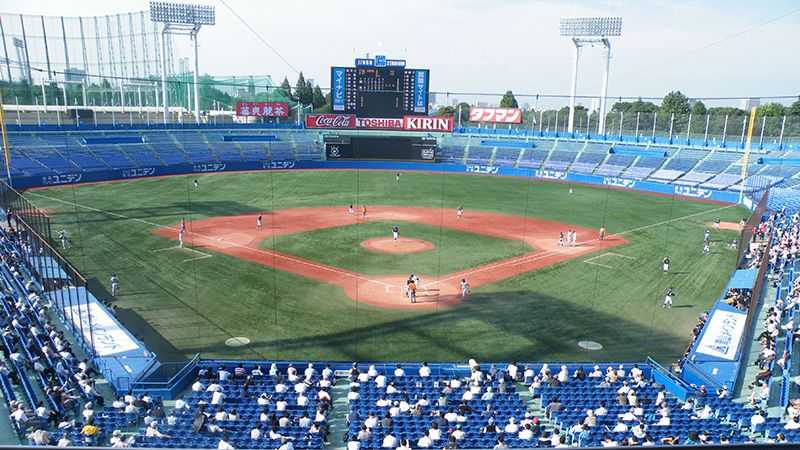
{"points": [[401, 245]]}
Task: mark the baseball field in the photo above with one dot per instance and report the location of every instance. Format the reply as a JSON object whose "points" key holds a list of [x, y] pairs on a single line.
{"points": [[317, 282]]}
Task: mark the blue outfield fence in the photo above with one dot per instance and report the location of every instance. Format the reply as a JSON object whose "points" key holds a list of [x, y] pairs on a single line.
{"points": [[490, 170]]}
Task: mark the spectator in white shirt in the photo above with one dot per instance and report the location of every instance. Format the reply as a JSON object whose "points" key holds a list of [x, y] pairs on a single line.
{"points": [[399, 372], [511, 427], [425, 441], [389, 441], [424, 371]]}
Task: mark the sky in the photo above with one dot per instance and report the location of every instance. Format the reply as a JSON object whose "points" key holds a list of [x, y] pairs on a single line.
{"points": [[712, 48]]}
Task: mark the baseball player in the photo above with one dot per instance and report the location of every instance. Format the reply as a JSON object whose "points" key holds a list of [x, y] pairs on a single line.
{"points": [[62, 236], [668, 298], [114, 285], [364, 211], [395, 233], [716, 223], [181, 230], [706, 235], [464, 287], [412, 290], [397, 177], [350, 210], [602, 232], [561, 239], [460, 211], [665, 264], [196, 183], [706, 247], [258, 222]]}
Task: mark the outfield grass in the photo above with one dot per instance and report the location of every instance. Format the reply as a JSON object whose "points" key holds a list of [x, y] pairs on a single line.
{"points": [[180, 308], [341, 247]]}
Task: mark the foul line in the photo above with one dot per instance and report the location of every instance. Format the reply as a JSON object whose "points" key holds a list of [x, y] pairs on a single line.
{"points": [[458, 275], [273, 253], [547, 253]]}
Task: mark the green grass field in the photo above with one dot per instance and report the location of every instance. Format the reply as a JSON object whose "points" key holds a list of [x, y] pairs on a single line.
{"points": [[180, 308], [341, 247]]}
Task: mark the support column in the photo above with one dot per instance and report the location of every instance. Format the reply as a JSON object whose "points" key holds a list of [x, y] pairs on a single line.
{"points": [[196, 74], [601, 124], [573, 89], [164, 71]]}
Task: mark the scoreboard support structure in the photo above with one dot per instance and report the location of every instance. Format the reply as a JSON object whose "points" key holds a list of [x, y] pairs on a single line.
{"points": [[376, 147]]}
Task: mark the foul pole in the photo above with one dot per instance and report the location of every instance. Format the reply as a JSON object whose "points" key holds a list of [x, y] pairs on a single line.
{"points": [[746, 157]]}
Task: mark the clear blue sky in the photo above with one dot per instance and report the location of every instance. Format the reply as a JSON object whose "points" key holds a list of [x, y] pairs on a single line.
{"points": [[703, 48]]}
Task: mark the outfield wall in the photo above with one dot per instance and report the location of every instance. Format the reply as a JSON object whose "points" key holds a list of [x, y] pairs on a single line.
{"points": [[232, 166]]}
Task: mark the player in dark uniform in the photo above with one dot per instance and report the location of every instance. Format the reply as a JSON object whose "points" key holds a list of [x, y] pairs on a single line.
{"points": [[395, 233]]}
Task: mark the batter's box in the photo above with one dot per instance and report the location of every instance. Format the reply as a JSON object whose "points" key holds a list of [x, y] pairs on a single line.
{"points": [[593, 259]]}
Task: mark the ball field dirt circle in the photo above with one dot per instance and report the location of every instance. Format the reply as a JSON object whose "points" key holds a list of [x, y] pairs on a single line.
{"points": [[401, 246]]}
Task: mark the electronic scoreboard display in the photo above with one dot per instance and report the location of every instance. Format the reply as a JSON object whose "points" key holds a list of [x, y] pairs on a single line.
{"points": [[386, 92]]}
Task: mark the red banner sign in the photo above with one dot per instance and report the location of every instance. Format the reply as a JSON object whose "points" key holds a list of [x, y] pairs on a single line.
{"points": [[425, 123], [407, 123], [495, 115], [262, 109], [330, 121]]}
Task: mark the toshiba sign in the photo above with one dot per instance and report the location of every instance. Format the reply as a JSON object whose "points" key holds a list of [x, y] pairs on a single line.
{"points": [[373, 123], [424, 123]]}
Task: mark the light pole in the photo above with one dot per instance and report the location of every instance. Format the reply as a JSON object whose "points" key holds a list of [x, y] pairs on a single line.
{"points": [[590, 31], [179, 18]]}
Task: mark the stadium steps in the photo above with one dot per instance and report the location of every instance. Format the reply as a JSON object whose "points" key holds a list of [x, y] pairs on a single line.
{"points": [[337, 420], [37, 161], [534, 406], [127, 156], [578, 155], [208, 144], [494, 155], [520, 157], [466, 154], [155, 153], [179, 145], [550, 153], [55, 149]]}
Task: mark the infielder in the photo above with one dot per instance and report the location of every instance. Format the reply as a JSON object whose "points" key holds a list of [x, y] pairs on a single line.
{"points": [[364, 211], [602, 232], [464, 287], [460, 211], [395, 233], [350, 210], [181, 230], [258, 222]]}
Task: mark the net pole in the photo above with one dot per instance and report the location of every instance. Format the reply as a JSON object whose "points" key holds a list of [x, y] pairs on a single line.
{"points": [[6, 150]]}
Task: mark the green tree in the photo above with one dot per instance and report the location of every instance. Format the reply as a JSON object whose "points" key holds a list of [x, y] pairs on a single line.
{"points": [[771, 110], [508, 100], [699, 108], [675, 102], [795, 108], [725, 110], [302, 91], [318, 98], [326, 106], [445, 111], [286, 87]]}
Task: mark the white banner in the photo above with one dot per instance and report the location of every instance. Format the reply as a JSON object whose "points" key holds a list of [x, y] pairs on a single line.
{"points": [[109, 337], [722, 335]]}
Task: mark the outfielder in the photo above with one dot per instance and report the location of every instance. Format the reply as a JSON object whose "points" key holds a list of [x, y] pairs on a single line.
{"points": [[668, 298], [114, 285]]}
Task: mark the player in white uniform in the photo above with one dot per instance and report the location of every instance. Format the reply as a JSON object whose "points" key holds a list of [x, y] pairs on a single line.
{"points": [[464, 287], [668, 298], [460, 211], [258, 222], [395, 233], [114, 285], [350, 210]]}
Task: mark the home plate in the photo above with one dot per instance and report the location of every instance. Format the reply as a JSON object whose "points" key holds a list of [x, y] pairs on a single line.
{"points": [[590, 345], [237, 341]]}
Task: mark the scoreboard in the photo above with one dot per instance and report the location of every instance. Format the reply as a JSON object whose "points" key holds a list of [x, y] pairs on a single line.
{"points": [[385, 92]]}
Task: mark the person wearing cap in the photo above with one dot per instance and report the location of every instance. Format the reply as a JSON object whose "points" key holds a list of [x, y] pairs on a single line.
{"points": [[458, 434], [404, 445]]}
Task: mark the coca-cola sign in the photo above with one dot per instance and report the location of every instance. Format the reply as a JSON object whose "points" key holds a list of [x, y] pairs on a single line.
{"points": [[425, 123], [346, 121]]}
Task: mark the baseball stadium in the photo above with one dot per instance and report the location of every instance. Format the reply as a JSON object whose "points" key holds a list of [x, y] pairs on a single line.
{"points": [[368, 260]]}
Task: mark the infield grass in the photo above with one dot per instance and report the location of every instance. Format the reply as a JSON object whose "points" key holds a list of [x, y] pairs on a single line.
{"points": [[181, 306], [341, 247]]}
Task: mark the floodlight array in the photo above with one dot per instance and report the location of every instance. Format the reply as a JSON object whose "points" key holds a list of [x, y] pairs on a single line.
{"points": [[181, 13], [591, 26]]}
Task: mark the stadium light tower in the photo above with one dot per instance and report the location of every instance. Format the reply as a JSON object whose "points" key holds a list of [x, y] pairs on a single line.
{"points": [[179, 18], [590, 31]]}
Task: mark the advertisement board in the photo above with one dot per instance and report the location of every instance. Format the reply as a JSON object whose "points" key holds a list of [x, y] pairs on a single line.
{"points": [[495, 115], [262, 109]]}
